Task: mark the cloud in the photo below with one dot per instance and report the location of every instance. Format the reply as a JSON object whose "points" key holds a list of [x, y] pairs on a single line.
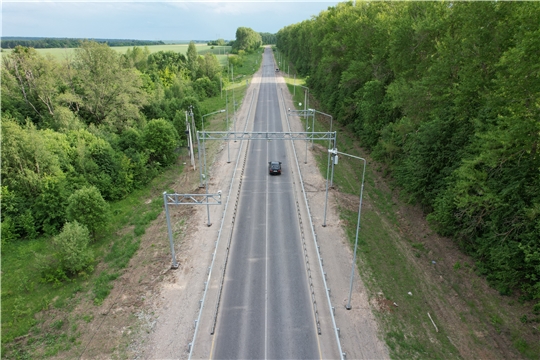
{"points": [[151, 20]]}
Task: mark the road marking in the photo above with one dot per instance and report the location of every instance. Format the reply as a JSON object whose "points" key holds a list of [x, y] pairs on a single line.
{"points": [[266, 265], [212, 346]]}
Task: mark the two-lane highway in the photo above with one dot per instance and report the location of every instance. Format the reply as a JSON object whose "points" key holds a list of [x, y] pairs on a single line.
{"points": [[266, 310]]}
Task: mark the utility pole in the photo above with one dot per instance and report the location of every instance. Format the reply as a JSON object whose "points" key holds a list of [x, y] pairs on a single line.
{"points": [[228, 142], [190, 142], [234, 111], [198, 147]]}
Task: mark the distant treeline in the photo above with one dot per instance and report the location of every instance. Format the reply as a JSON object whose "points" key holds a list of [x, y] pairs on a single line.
{"points": [[220, 42], [45, 43], [266, 38], [447, 94]]}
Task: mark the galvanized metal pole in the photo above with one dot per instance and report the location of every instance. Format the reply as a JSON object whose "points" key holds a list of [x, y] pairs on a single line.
{"points": [[307, 140], [206, 183], [190, 143], [199, 156], [234, 110], [307, 99], [326, 199], [205, 169], [348, 306], [228, 142], [332, 176], [174, 263], [312, 128], [333, 162], [205, 174], [333, 146]]}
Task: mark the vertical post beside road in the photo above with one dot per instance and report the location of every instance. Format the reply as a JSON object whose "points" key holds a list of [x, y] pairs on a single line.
{"points": [[348, 306], [174, 263]]}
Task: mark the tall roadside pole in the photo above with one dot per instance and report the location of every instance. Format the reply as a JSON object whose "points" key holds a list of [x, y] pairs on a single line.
{"points": [[330, 145], [228, 142], [335, 152], [190, 142], [205, 170], [198, 147], [306, 114]]}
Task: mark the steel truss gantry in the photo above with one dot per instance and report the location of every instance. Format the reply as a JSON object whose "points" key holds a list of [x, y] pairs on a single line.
{"points": [[265, 135], [187, 199]]}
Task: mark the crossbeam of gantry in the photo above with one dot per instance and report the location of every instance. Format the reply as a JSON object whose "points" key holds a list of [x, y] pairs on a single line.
{"points": [[193, 199], [267, 135]]}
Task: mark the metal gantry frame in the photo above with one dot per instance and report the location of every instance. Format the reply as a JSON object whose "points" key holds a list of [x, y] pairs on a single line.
{"points": [[334, 153], [305, 113], [266, 135], [186, 199]]}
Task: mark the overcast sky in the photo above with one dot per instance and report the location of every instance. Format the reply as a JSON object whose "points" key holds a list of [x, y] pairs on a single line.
{"points": [[152, 20]]}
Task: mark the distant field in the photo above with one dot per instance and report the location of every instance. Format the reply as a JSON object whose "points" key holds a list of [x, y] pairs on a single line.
{"points": [[220, 51]]}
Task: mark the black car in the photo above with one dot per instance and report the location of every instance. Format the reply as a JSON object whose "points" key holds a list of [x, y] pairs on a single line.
{"points": [[274, 167]]}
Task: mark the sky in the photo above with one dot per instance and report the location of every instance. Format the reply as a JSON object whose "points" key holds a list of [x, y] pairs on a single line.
{"points": [[152, 20]]}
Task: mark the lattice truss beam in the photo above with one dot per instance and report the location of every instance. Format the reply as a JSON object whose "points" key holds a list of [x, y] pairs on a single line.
{"points": [[247, 135], [193, 199]]}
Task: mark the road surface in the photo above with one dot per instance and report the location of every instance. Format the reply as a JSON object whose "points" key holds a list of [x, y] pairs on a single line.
{"points": [[266, 311]]}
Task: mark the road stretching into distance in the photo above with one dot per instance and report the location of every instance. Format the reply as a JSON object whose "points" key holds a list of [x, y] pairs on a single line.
{"points": [[266, 310]]}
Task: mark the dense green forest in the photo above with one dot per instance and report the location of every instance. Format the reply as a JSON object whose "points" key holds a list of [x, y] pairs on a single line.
{"points": [[246, 37], [447, 94], [45, 43], [83, 132], [268, 38]]}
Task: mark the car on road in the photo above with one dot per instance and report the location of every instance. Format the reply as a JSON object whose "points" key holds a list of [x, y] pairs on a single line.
{"points": [[274, 167]]}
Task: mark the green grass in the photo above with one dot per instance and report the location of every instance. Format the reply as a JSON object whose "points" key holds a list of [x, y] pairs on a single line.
{"points": [[219, 51], [250, 64]]}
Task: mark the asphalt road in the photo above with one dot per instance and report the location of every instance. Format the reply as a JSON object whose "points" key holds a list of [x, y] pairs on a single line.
{"points": [[266, 311]]}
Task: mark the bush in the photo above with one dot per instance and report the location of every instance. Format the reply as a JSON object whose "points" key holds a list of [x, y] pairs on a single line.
{"points": [[130, 139], [160, 139], [72, 248], [87, 207]]}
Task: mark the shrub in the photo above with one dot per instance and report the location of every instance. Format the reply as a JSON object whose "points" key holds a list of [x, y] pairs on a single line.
{"points": [[72, 248], [160, 139], [87, 207]]}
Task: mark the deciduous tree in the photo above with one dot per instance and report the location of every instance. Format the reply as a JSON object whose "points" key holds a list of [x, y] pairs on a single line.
{"points": [[87, 207]]}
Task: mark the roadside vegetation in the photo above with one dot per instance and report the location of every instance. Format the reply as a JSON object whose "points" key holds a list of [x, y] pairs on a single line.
{"points": [[399, 253], [445, 96], [88, 147], [445, 116]]}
